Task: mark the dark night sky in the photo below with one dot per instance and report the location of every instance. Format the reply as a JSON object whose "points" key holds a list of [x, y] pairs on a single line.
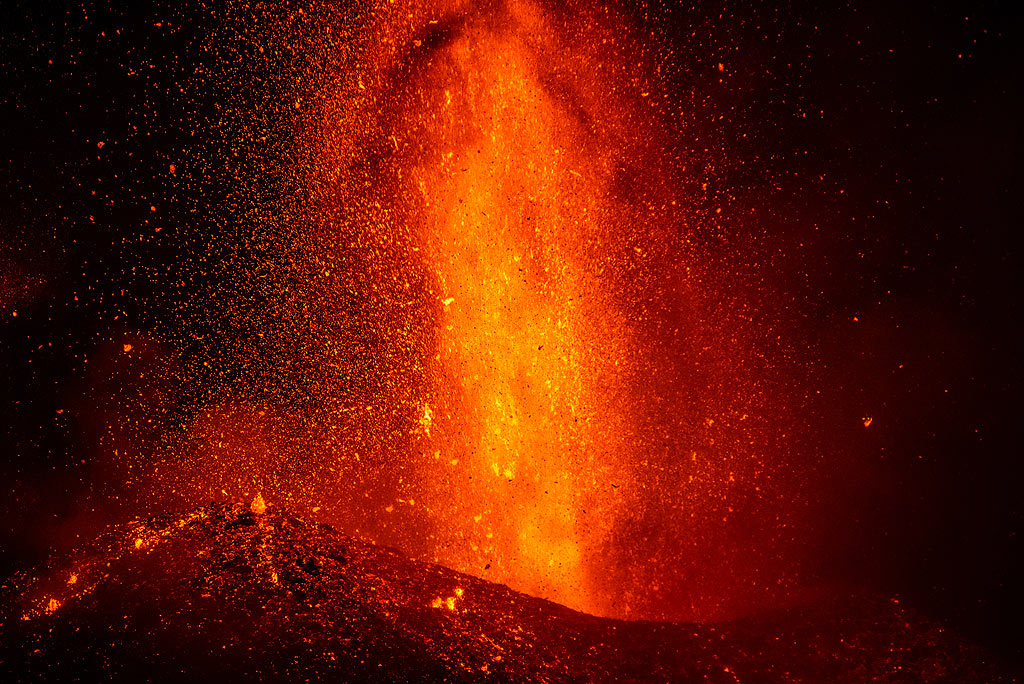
{"points": [[911, 109]]}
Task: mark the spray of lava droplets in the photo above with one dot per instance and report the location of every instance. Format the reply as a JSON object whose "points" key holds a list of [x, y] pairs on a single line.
{"points": [[510, 337]]}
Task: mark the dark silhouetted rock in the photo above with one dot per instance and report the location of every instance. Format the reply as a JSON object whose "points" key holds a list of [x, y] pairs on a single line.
{"points": [[226, 593]]}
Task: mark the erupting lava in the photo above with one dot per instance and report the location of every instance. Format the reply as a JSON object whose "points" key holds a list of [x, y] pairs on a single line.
{"points": [[510, 202], [614, 338], [500, 196], [510, 331]]}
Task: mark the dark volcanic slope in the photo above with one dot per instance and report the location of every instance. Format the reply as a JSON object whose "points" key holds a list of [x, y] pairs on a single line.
{"points": [[223, 591]]}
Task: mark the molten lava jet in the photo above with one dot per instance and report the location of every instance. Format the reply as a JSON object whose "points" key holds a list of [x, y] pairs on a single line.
{"points": [[524, 415], [502, 316], [568, 381]]}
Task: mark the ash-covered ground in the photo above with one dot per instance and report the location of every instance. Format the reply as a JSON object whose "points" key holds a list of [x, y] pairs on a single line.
{"points": [[236, 592]]}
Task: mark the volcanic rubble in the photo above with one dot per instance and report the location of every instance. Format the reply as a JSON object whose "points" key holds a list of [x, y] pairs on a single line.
{"points": [[236, 592]]}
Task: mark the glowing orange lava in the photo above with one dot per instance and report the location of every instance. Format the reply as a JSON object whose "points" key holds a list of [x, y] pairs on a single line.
{"points": [[513, 342], [504, 142]]}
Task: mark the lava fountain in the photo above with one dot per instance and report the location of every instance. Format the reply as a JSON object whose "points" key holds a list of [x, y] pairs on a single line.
{"points": [[514, 330], [523, 411], [497, 185]]}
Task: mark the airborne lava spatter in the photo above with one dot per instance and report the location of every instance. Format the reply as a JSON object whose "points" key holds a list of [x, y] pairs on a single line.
{"points": [[514, 231], [551, 357], [657, 309], [491, 328]]}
